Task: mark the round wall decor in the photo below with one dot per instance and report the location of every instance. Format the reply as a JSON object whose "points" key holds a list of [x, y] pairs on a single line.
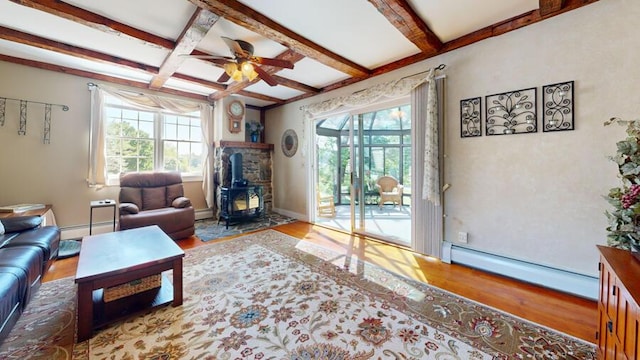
{"points": [[289, 142]]}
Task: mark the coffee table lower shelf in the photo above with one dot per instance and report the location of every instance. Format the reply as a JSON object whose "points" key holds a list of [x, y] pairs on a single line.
{"points": [[105, 313]]}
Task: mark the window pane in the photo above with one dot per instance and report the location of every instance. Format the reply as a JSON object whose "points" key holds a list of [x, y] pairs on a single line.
{"points": [[170, 131], [183, 132], [406, 169], [146, 129], [392, 162]]}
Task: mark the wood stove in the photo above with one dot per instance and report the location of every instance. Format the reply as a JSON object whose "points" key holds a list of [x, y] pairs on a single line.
{"points": [[240, 201]]}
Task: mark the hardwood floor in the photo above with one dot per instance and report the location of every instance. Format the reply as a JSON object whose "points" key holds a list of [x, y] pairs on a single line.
{"points": [[563, 312]]}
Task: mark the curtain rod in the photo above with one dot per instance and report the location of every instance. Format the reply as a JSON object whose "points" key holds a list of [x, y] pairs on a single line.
{"points": [[439, 67]]}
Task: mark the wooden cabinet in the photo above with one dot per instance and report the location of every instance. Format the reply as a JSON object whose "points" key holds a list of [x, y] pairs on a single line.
{"points": [[618, 310]]}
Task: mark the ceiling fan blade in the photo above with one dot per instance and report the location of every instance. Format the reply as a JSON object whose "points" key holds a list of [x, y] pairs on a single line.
{"points": [[265, 75], [235, 47], [272, 62], [223, 78], [206, 56]]}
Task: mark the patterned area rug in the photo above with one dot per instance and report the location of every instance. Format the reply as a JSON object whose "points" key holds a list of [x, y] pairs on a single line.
{"points": [[269, 296], [209, 229]]}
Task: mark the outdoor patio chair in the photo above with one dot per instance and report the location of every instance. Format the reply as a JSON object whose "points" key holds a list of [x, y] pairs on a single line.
{"points": [[390, 190], [325, 204]]}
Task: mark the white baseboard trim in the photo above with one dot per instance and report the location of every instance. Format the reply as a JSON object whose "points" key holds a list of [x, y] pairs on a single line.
{"points": [[558, 279], [80, 231], [290, 214]]}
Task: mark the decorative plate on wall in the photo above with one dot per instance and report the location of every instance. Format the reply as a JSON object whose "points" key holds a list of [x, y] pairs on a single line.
{"points": [[289, 142]]}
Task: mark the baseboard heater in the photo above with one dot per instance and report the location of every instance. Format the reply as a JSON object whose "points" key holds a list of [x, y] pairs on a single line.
{"points": [[79, 231], [557, 279]]}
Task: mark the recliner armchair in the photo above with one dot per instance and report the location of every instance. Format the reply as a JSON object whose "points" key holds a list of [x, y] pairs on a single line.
{"points": [[156, 198]]}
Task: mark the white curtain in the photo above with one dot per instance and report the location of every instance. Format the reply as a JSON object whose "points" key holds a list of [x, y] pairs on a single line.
{"points": [[97, 163], [427, 116], [390, 90], [431, 182], [97, 176]]}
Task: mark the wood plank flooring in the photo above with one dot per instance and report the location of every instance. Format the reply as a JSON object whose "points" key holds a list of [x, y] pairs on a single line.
{"points": [[563, 312]]}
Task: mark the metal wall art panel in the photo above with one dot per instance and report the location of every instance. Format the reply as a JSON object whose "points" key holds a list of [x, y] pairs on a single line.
{"points": [[511, 112], [470, 113], [557, 107]]}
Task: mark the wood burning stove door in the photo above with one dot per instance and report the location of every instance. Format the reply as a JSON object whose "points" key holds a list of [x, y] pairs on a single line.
{"points": [[241, 203]]}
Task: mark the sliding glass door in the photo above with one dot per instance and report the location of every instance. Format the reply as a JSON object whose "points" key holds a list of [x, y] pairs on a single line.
{"points": [[363, 173]]}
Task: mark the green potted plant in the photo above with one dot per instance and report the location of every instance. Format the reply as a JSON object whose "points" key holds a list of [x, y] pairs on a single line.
{"points": [[254, 129], [624, 218]]}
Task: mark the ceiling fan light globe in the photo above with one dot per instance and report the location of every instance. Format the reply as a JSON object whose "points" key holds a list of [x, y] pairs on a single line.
{"points": [[236, 76], [246, 67], [230, 68], [253, 75]]}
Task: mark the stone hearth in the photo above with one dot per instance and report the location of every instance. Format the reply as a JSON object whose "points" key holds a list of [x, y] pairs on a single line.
{"points": [[256, 163]]}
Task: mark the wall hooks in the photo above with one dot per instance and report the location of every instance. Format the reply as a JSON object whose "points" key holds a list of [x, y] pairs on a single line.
{"points": [[22, 128]]}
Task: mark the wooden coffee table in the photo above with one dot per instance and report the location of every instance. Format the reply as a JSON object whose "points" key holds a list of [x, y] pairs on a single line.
{"points": [[116, 258]]}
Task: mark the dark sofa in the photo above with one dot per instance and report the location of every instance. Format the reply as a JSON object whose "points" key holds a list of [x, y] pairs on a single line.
{"points": [[26, 252]]}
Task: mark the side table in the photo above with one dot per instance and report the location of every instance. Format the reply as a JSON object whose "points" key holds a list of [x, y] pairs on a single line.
{"points": [[102, 204]]}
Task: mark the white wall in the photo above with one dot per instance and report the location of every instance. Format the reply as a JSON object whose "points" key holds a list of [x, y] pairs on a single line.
{"points": [[536, 197], [55, 173]]}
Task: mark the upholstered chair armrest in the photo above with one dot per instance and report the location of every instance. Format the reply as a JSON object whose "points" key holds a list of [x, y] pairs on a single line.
{"points": [[128, 208], [20, 223], [400, 187], [181, 202], [379, 188]]}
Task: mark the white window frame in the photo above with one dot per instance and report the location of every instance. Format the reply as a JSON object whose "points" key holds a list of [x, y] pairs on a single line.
{"points": [[158, 139]]}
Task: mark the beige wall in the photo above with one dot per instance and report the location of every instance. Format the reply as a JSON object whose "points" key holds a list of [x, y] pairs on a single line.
{"points": [[55, 173], [536, 197]]}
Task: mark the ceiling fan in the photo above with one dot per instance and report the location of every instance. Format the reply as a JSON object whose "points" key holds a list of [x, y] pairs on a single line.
{"points": [[243, 64]]}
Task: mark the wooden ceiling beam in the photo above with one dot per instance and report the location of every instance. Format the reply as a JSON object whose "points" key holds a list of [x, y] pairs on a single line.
{"points": [[195, 30], [400, 14], [485, 33], [252, 20], [550, 6], [42, 43], [199, 81], [220, 87], [497, 29], [95, 21], [295, 85], [91, 75]]}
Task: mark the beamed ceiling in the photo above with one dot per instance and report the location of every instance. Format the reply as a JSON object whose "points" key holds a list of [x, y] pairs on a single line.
{"points": [[331, 43]]}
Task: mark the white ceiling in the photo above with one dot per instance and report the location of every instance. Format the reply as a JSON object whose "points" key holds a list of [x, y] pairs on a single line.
{"points": [[354, 29]]}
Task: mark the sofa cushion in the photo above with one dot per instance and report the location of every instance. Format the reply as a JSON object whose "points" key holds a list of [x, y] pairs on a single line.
{"points": [[46, 238], [21, 223], [173, 192], [6, 237], [153, 198], [13, 292], [27, 258], [170, 220], [131, 195]]}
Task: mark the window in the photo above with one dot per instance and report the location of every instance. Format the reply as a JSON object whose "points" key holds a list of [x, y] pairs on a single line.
{"points": [[143, 140]]}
